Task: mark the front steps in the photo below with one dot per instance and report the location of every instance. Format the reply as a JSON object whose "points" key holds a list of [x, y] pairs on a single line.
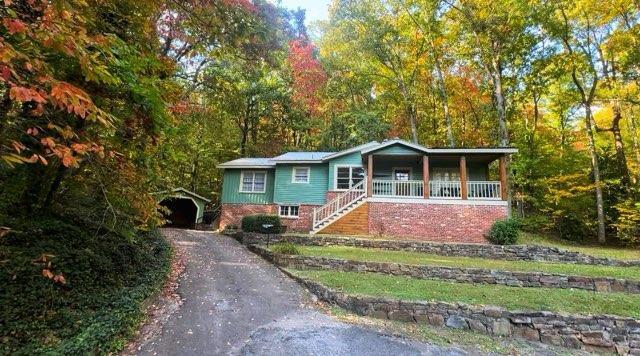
{"points": [[343, 213]]}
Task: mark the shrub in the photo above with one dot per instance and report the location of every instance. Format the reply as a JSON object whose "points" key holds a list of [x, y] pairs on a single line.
{"points": [[572, 228], [285, 248], [535, 223], [504, 232], [255, 223], [100, 305]]}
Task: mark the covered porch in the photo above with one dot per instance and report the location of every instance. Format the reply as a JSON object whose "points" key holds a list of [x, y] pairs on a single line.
{"points": [[450, 175]]}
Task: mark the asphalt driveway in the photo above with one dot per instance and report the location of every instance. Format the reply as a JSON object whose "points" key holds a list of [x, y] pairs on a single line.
{"points": [[235, 303]]}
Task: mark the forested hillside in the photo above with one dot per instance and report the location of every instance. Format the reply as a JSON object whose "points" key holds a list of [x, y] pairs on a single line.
{"points": [[103, 103], [106, 102]]}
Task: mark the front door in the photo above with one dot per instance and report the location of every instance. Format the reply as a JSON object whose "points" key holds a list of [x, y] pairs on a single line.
{"points": [[402, 187]]}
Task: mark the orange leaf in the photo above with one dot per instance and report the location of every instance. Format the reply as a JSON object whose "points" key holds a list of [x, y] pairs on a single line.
{"points": [[47, 273], [43, 160], [68, 160], [23, 94], [48, 142], [17, 146]]}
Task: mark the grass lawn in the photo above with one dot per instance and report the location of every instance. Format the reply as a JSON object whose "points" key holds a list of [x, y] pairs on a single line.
{"points": [[513, 298], [417, 258], [618, 253]]}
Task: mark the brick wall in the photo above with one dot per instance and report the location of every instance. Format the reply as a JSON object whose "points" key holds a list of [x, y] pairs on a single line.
{"points": [[233, 213], [434, 222], [303, 222], [332, 194]]}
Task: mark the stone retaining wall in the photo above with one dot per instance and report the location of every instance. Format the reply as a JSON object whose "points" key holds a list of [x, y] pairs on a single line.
{"points": [[600, 333], [464, 275], [512, 252]]}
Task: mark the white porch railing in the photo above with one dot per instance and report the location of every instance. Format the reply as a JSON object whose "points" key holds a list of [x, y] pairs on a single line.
{"points": [[398, 188], [335, 206], [484, 190], [445, 189]]}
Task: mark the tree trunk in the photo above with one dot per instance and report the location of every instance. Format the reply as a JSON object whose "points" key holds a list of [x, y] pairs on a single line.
{"points": [[620, 156], [536, 117], [53, 188], [596, 172], [412, 114], [498, 95], [442, 89], [634, 141]]}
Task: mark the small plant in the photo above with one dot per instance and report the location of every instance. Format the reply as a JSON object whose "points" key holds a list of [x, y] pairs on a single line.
{"points": [[264, 224], [504, 232], [285, 248], [231, 227]]}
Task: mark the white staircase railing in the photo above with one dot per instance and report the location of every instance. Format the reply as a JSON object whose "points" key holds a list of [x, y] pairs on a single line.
{"points": [[335, 206]]}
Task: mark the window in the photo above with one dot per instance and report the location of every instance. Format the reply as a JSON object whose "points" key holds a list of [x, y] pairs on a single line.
{"points": [[300, 175], [348, 176], [289, 211], [253, 182], [445, 173]]}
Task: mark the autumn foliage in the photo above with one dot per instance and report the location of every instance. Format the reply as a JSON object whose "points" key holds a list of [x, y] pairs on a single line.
{"points": [[309, 78]]}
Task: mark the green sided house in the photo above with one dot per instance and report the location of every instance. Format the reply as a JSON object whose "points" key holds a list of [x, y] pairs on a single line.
{"points": [[393, 188]]}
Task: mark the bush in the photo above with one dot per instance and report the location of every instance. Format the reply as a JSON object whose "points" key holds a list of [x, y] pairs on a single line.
{"points": [[285, 248], [100, 305], [535, 224], [504, 232], [255, 223], [572, 228]]}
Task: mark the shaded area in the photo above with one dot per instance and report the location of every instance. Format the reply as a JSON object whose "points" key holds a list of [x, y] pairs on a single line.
{"points": [[183, 212]]}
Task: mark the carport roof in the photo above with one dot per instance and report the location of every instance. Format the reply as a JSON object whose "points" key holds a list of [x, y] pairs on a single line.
{"points": [[183, 191]]}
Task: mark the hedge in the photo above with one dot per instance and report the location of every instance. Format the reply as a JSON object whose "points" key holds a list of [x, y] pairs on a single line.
{"points": [[265, 224]]}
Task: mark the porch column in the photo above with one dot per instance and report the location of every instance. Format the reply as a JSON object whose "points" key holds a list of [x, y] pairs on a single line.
{"points": [[502, 166], [463, 177], [425, 176], [370, 175]]}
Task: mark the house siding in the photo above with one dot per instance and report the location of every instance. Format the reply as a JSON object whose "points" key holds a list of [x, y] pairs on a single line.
{"points": [[397, 150], [352, 159], [231, 188], [314, 192], [384, 170]]}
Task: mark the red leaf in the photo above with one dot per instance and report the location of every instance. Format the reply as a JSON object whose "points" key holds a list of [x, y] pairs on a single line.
{"points": [[23, 94], [59, 279], [14, 25]]}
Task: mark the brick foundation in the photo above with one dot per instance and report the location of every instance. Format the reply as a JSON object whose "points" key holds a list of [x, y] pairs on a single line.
{"points": [[231, 214], [332, 194], [303, 222], [434, 222]]}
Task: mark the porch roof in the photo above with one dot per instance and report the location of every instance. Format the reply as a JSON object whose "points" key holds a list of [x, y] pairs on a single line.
{"points": [[442, 151]]}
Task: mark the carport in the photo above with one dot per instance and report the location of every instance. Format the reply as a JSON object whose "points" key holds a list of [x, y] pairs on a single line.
{"points": [[186, 208]]}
